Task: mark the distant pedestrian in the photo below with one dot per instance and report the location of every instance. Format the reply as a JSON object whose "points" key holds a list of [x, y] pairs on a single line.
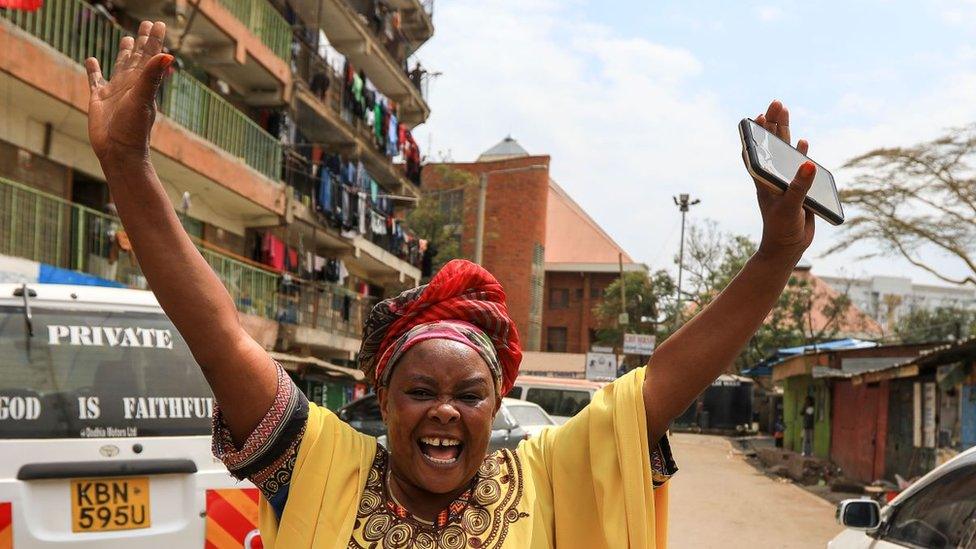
{"points": [[779, 431], [808, 416]]}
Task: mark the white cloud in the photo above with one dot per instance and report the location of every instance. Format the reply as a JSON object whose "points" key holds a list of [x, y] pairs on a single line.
{"points": [[768, 14], [628, 122], [617, 114]]}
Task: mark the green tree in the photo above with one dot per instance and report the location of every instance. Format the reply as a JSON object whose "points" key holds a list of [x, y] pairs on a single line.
{"points": [[650, 301], [918, 201], [803, 314], [439, 214], [940, 324]]}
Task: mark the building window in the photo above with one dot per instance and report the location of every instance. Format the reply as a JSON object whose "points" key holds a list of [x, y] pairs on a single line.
{"points": [[556, 339], [596, 292], [558, 298], [451, 204]]}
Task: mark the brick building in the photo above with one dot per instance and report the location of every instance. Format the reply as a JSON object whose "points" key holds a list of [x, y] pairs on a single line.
{"points": [[537, 241], [581, 261]]}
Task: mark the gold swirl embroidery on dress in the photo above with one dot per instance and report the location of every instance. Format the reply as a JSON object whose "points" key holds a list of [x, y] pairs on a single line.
{"points": [[480, 518]]}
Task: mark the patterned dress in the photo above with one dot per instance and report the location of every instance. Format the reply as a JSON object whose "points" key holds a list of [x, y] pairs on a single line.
{"points": [[480, 517]]}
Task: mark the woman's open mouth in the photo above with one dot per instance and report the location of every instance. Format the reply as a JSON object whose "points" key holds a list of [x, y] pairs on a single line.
{"points": [[440, 451]]}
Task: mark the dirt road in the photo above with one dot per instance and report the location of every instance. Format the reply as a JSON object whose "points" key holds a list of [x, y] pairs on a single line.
{"points": [[719, 500]]}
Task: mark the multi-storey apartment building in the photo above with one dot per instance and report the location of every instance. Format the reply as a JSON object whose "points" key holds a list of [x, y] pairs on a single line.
{"points": [[888, 298], [283, 140]]}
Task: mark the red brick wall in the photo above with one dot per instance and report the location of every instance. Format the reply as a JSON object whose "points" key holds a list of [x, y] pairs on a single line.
{"points": [[515, 221], [577, 317]]}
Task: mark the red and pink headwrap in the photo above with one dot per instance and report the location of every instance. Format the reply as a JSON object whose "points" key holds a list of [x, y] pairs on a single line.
{"points": [[463, 302]]}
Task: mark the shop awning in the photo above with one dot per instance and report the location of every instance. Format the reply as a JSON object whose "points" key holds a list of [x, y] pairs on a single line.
{"points": [[291, 363]]}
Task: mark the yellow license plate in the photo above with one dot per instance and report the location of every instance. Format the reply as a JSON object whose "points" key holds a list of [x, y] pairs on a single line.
{"points": [[104, 504]]}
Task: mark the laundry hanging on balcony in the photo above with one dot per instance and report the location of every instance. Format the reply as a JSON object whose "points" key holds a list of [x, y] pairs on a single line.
{"points": [[23, 5]]}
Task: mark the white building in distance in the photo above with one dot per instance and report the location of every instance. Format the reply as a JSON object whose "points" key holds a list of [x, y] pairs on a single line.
{"points": [[888, 298]]}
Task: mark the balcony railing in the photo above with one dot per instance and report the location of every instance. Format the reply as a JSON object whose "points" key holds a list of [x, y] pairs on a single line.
{"points": [[45, 228], [262, 19], [203, 112], [78, 30], [323, 306]]}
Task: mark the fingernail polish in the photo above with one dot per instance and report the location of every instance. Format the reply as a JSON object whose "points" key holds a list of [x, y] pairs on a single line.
{"points": [[807, 169], [167, 61]]}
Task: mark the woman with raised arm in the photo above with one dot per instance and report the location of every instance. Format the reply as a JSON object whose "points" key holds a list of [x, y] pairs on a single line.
{"points": [[440, 357]]}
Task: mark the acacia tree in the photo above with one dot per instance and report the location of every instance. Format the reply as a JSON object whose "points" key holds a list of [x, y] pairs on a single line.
{"points": [[917, 198]]}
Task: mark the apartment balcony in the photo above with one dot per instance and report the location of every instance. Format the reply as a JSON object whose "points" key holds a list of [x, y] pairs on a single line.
{"points": [[246, 43], [323, 119], [322, 316], [203, 145], [364, 49], [41, 227], [366, 256], [417, 22]]}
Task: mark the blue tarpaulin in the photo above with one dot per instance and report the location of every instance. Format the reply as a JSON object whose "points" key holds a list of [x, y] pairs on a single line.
{"points": [[765, 368], [49, 274]]}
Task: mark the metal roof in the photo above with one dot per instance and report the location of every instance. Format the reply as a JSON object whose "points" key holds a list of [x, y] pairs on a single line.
{"points": [[506, 148]]}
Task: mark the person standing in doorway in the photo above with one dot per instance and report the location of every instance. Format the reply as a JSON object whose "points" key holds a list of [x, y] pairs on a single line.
{"points": [[808, 416]]}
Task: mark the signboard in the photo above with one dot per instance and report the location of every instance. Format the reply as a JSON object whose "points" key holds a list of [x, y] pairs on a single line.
{"points": [[639, 344], [601, 366], [928, 415], [606, 350]]}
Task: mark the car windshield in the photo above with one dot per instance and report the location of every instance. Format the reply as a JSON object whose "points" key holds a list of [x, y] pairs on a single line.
{"points": [[530, 415], [941, 515], [98, 374]]}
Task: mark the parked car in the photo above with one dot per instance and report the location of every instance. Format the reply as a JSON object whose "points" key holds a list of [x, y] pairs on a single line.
{"points": [[529, 415], [561, 398], [364, 416], [938, 511], [105, 426]]}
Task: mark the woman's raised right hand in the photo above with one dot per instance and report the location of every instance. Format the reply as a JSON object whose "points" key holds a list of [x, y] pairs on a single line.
{"points": [[121, 112]]}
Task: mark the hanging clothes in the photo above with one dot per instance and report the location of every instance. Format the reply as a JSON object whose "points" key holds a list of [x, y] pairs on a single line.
{"points": [[363, 212], [393, 141], [324, 201], [343, 272], [377, 223]]}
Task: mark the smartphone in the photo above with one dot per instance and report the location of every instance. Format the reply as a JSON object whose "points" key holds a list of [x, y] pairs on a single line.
{"points": [[775, 162]]}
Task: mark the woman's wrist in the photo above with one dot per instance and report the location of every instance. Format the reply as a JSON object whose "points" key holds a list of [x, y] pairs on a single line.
{"points": [[125, 163]]}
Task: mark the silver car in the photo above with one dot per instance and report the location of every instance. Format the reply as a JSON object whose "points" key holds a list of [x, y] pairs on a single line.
{"points": [[938, 511], [364, 416]]}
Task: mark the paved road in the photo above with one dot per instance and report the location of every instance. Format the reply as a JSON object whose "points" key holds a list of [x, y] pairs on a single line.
{"points": [[719, 500]]}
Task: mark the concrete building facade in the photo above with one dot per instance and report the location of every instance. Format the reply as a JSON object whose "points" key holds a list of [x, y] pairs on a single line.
{"points": [[264, 96], [888, 298]]}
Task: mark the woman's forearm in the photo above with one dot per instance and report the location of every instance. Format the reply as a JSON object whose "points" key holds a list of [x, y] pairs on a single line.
{"points": [[701, 350], [185, 285], [236, 367]]}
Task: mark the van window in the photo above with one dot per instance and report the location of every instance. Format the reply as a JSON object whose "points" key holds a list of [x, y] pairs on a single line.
{"points": [[98, 374], [558, 402]]}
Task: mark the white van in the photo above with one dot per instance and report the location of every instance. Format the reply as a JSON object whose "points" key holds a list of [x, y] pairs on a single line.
{"points": [[105, 428], [561, 398]]}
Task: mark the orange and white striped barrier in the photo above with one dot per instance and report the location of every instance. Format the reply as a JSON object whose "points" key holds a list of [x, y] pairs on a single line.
{"points": [[232, 519]]}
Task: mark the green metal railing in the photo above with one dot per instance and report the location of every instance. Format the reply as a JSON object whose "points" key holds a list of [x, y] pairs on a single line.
{"points": [[203, 112], [265, 22], [79, 31], [255, 291], [72, 27], [323, 306], [48, 229]]}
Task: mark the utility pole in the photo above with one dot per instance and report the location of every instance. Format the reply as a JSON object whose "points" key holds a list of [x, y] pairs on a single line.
{"points": [[479, 235], [684, 202]]}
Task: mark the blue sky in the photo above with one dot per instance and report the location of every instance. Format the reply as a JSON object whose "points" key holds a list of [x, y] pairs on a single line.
{"points": [[637, 101]]}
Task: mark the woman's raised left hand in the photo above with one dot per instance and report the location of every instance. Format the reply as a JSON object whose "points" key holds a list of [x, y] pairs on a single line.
{"points": [[787, 227]]}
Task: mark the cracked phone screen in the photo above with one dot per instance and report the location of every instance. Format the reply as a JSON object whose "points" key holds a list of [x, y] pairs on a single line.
{"points": [[782, 161]]}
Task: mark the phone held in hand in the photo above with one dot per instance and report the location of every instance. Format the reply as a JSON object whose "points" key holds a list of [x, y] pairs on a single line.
{"points": [[774, 162]]}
